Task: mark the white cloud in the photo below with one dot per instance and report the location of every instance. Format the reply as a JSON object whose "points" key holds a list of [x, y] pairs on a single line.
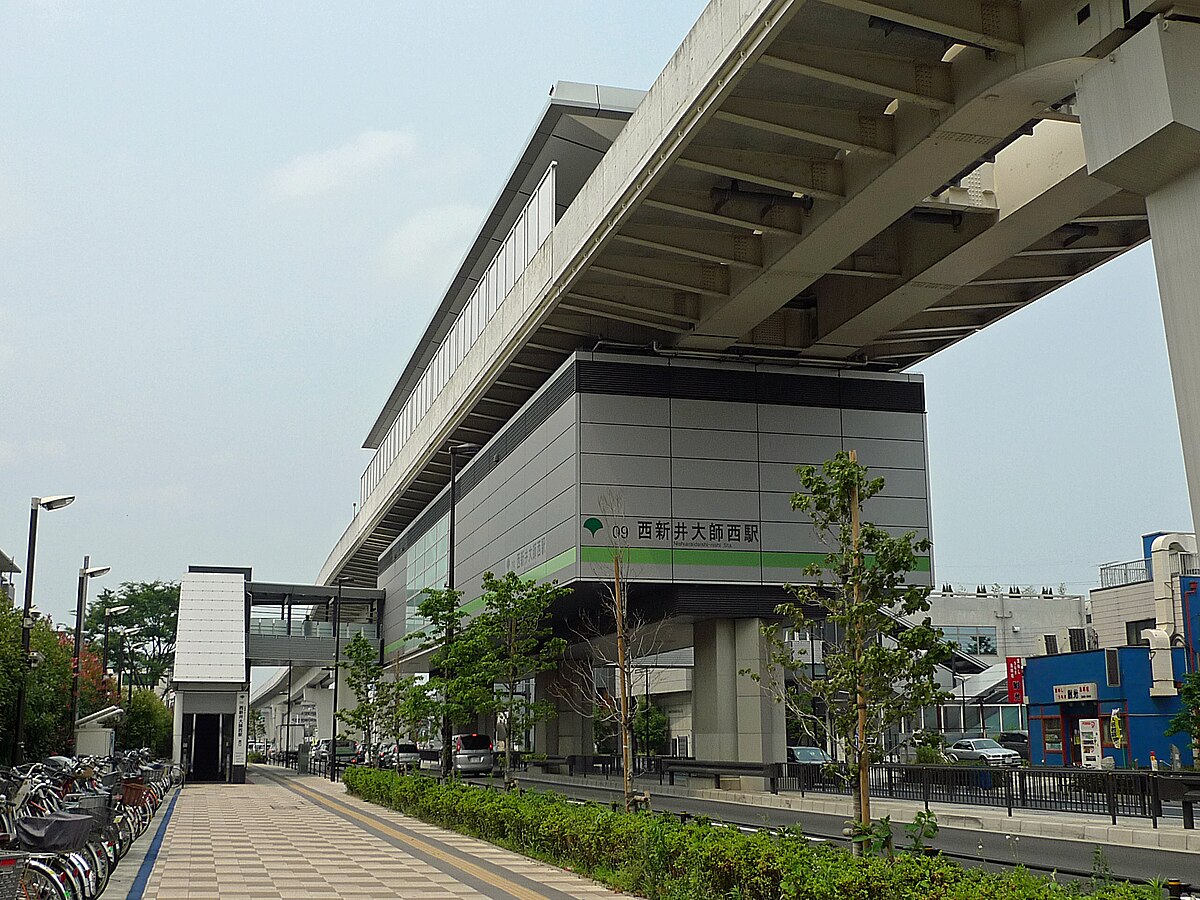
{"points": [[320, 172], [424, 249]]}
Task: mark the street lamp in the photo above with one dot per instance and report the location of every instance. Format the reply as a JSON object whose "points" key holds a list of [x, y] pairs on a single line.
{"points": [[35, 504], [85, 573], [337, 652], [108, 613], [466, 451]]}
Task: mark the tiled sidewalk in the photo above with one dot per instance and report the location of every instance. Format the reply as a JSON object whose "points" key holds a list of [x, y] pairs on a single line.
{"points": [[287, 836]]}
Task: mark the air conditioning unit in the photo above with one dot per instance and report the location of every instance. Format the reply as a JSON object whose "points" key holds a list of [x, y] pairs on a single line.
{"points": [[1077, 639], [1051, 643]]}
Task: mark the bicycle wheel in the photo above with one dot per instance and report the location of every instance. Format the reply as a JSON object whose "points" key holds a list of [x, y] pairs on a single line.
{"points": [[99, 860], [41, 883]]}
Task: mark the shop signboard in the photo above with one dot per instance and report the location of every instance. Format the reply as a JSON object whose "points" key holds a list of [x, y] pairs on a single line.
{"points": [[1016, 679], [1069, 693]]}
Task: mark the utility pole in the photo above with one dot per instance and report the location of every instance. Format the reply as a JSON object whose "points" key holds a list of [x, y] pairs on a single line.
{"points": [[626, 760], [864, 758]]}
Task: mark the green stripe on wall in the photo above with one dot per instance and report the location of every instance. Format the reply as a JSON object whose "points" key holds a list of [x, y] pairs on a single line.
{"points": [[665, 556], [550, 566]]}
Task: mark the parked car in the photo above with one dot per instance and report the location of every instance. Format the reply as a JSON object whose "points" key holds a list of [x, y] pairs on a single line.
{"points": [[985, 749], [320, 750], [809, 755], [406, 757], [1015, 740], [473, 754]]}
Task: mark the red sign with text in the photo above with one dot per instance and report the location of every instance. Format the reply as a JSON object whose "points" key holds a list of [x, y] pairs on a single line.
{"points": [[1016, 680]]}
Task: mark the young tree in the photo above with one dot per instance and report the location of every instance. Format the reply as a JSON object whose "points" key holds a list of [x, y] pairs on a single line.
{"points": [[407, 709], [363, 676], [878, 669], [461, 668], [154, 608], [516, 626], [1187, 720], [650, 727]]}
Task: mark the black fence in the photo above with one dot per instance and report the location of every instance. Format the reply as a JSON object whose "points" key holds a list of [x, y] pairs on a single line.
{"points": [[1110, 793]]}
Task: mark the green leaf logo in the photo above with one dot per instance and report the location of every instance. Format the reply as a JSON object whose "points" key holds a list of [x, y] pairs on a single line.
{"points": [[593, 525]]}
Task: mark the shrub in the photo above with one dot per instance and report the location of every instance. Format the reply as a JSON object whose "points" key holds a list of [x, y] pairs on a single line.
{"points": [[663, 859]]}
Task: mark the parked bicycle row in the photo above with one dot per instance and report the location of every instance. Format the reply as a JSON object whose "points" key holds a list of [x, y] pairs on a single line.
{"points": [[66, 822]]}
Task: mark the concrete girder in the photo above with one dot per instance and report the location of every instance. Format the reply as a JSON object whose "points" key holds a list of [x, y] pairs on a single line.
{"points": [[994, 24], [608, 312], [740, 249], [780, 220], [709, 280], [1054, 189], [842, 129], [649, 301], [921, 83], [820, 178], [949, 144]]}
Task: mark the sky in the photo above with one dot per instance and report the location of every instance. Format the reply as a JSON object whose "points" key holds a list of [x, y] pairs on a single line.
{"points": [[224, 225]]}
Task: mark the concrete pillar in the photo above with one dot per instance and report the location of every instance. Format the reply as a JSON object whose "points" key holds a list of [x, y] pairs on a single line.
{"points": [[732, 719], [1140, 114], [715, 694], [177, 730], [570, 732], [323, 699]]}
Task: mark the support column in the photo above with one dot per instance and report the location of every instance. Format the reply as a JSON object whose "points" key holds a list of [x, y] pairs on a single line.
{"points": [[732, 718], [177, 730], [715, 691], [570, 732], [1140, 114], [323, 699]]}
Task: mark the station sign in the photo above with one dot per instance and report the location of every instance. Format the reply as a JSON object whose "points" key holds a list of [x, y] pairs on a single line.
{"points": [[1069, 693], [705, 534]]}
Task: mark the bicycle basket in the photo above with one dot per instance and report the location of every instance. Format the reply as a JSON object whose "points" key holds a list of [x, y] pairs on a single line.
{"points": [[12, 869], [134, 793], [55, 833]]}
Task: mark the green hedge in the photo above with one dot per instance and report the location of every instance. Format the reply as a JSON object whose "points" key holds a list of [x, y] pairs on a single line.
{"points": [[663, 859]]}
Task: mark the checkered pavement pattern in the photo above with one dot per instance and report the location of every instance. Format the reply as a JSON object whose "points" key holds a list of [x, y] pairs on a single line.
{"points": [[264, 841]]}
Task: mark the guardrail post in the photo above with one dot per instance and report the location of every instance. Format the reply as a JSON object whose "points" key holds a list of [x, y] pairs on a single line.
{"points": [[1155, 801], [1110, 787], [773, 769], [925, 786], [1008, 792]]}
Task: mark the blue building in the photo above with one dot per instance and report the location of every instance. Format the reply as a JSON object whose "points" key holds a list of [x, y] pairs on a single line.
{"points": [[1124, 682]]}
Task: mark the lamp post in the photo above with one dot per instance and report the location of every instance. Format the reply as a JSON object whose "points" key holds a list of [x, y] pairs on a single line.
{"points": [[123, 635], [85, 574], [466, 451], [35, 504], [337, 652], [109, 613]]}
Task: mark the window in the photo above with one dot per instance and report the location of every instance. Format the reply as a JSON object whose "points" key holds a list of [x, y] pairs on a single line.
{"points": [[978, 640], [1052, 736], [1133, 632], [1112, 668]]}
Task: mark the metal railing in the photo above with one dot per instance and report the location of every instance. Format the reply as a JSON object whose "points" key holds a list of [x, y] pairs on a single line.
{"points": [[1122, 573], [1110, 793], [309, 629], [530, 231]]}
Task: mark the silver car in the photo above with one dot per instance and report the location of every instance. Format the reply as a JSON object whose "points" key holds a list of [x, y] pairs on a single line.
{"points": [[473, 754], [985, 749]]}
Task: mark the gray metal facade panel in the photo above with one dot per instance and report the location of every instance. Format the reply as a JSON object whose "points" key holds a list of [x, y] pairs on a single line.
{"points": [[624, 410], [634, 440], [873, 423], [704, 413], [713, 443], [776, 419]]}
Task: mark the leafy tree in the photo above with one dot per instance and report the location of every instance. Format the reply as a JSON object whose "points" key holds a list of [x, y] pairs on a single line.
{"points": [[515, 624], [147, 723], [461, 673], [363, 677], [1187, 720], [877, 669], [407, 709], [650, 727], [154, 609]]}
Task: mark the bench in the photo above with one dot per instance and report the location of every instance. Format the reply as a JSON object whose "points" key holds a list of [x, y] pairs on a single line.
{"points": [[715, 769]]}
